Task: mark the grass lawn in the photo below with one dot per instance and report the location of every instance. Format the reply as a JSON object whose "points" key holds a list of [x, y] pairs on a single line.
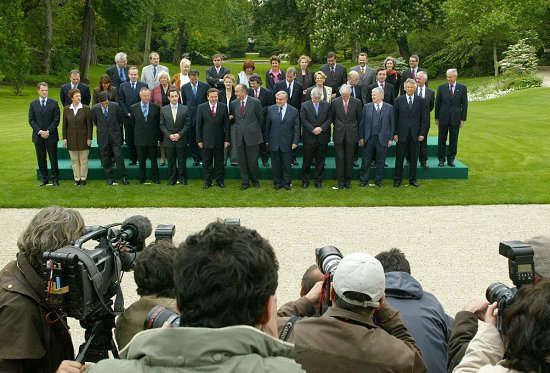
{"points": [[503, 143]]}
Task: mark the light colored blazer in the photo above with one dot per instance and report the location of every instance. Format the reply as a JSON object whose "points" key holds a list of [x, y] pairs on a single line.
{"points": [[147, 75]]}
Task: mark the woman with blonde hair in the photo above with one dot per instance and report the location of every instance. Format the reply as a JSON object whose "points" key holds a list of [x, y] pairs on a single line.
{"points": [[320, 78], [181, 78]]}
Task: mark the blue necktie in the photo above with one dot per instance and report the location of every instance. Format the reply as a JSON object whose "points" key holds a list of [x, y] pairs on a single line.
{"points": [[281, 114], [195, 90], [105, 112], [154, 71], [316, 109], [121, 75], [144, 109]]}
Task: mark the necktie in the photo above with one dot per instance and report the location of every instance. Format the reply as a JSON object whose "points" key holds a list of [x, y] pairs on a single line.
{"points": [[257, 93], [451, 90], [195, 90], [382, 86], [377, 108], [134, 86], [316, 109], [154, 71], [353, 91], [242, 107], [213, 110], [144, 109], [332, 71], [105, 112], [281, 114], [412, 73], [345, 107], [174, 113], [43, 105], [289, 90], [421, 95], [121, 75], [410, 102], [363, 71]]}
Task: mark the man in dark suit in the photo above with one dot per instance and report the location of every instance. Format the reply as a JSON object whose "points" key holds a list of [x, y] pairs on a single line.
{"points": [[44, 117], [75, 84], [174, 124], [248, 135], [212, 137], [146, 118], [389, 92], [283, 133], [451, 110], [428, 95], [266, 100], [128, 95], [411, 121], [316, 117], [119, 71], [335, 72], [295, 92], [347, 113], [376, 133], [193, 94], [412, 72], [367, 75], [107, 116], [215, 74]]}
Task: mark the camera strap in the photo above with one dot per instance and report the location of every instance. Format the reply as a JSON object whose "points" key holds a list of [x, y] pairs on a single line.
{"points": [[287, 329]]}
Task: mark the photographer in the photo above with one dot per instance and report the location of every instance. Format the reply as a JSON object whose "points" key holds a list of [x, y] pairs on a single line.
{"points": [[526, 336], [360, 331], [154, 278], [466, 321], [36, 339], [225, 278]]}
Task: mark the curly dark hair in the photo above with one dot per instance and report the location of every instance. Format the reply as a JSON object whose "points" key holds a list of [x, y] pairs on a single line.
{"points": [[527, 329], [155, 268], [224, 276]]}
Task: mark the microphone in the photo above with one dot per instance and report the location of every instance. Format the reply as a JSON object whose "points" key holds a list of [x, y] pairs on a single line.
{"points": [[135, 230]]}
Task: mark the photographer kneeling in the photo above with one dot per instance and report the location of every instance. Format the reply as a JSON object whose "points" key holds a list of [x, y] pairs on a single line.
{"points": [[360, 332], [525, 338], [154, 276], [225, 278], [35, 338]]}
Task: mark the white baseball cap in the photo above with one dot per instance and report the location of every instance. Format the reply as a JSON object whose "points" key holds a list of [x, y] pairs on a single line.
{"points": [[361, 273]]}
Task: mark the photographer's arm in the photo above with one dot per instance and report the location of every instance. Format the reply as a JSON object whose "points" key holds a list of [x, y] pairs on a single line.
{"points": [[304, 306]]}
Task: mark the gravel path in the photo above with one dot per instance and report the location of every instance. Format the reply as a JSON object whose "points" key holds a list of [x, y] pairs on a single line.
{"points": [[544, 72], [453, 250]]}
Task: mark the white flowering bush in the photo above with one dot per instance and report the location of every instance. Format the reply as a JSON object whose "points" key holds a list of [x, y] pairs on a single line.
{"points": [[520, 58]]}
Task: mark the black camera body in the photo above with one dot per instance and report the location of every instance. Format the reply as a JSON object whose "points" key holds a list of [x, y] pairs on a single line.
{"points": [[521, 270]]}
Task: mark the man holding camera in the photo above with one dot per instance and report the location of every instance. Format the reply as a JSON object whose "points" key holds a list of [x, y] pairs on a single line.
{"points": [[346, 338], [228, 319]]}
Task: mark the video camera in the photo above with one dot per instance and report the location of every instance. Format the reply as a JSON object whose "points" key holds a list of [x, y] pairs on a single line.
{"points": [[521, 270], [327, 258], [81, 282]]}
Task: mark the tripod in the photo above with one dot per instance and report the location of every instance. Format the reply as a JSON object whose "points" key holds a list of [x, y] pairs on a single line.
{"points": [[98, 338]]}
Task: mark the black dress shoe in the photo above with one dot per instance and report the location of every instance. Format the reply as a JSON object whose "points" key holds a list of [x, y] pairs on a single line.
{"points": [[132, 163], [424, 165], [196, 163], [110, 182], [43, 182], [156, 181], [451, 164], [277, 186], [355, 163], [256, 185], [363, 184], [348, 185], [441, 164], [206, 186], [171, 183], [244, 187], [414, 184], [286, 187], [265, 163], [182, 181], [295, 162], [77, 183], [55, 183], [82, 182], [305, 184], [379, 184], [141, 182], [396, 184], [221, 185], [125, 181], [318, 185]]}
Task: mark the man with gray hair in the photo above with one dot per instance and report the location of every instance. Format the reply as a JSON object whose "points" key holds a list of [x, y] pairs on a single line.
{"points": [[119, 71], [346, 338], [316, 117], [376, 135], [282, 131], [451, 110], [428, 95], [347, 116]]}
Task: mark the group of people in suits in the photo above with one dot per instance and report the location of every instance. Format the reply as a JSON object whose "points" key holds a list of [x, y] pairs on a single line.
{"points": [[257, 122]]}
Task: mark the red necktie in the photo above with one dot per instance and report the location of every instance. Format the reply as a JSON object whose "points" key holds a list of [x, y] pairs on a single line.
{"points": [[213, 111], [412, 73], [451, 90], [346, 107], [257, 93], [242, 107]]}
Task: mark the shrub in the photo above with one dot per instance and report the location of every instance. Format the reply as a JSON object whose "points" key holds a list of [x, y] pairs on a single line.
{"points": [[520, 58], [503, 85]]}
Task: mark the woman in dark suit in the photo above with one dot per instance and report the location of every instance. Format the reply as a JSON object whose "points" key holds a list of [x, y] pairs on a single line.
{"points": [[77, 135], [393, 76], [159, 95], [227, 95], [105, 85], [304, 76]]}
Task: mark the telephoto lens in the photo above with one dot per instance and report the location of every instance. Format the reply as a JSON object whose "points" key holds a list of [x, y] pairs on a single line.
{"points": [[158, 316], [328, 258]]}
